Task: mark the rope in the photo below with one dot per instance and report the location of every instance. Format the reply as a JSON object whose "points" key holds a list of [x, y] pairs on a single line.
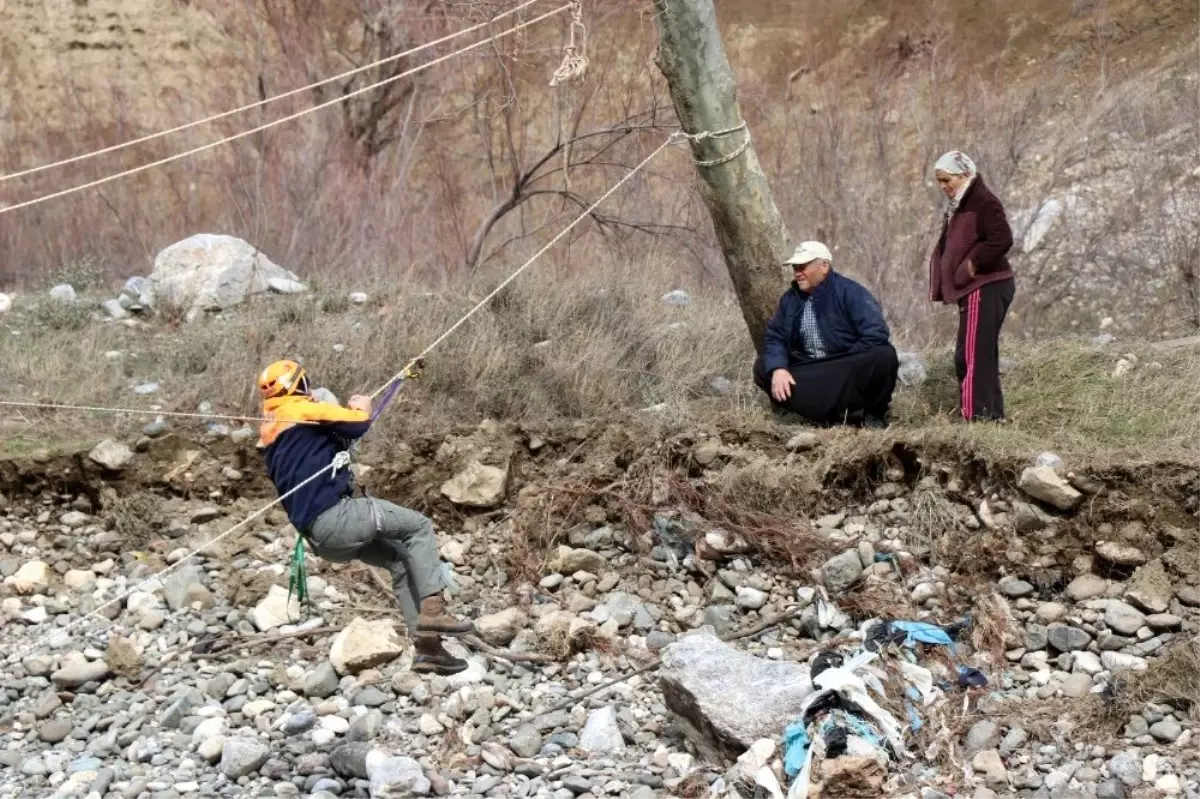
{"points": [[260, 103], [696, 138], [52, 406], [672, 139], [281, 120], [574, 63], [586, 213]]}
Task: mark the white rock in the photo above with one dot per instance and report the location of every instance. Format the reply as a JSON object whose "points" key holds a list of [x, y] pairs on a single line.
{"points": [[257, 707], [114, 309], [111, 454], [1169, 784], [477, 486], [750, 598], [678, 297], [335, 724], [601, 735], [1044, 483], [78, 578], [5, 303], [282, 285], [1119, 661], [359, 297], [215, 727], [32, 578], [213, 272], [364, 645], [454, 552], [142, 602], [63, 292], [1043, 219], [275, 610]]}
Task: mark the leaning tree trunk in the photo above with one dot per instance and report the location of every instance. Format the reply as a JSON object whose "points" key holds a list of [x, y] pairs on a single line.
{"points": [[692, 59]]}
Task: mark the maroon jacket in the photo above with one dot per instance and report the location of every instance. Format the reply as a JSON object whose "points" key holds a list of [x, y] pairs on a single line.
{"points": [[978, 232]]}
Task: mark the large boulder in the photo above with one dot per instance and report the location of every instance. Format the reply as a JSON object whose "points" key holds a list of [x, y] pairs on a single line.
{"points": [[726, 699], [209, 272]]}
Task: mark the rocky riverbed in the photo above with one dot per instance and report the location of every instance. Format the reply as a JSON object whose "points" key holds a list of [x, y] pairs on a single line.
{"points": [[204, 681]]}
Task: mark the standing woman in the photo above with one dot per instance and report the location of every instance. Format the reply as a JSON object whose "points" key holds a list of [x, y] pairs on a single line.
{"points": [[968, 267]]}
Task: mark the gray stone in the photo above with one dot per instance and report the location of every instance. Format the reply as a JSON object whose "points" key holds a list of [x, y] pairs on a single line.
{"points": [[577, 785], [1065, 638], [242, 756], [1126, 766], [1168, 730], [1086, 586], [984, 734], [322, 681], [601, 734], [841, 571], [1076, 686], [365, 727], [350, 760], [1110, 789], [398, 777], [526, 741], [1036, 637], [56, 730], [77, 672], [725, 699], [1123, 619], [1189, 596], [1015, 589]]}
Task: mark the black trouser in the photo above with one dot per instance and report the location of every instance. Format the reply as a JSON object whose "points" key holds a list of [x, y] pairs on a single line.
{"points": [[977, 356], [830, 390]]}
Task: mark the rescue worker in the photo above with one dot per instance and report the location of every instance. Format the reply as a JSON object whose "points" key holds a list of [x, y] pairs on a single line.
{"points": [[301, 437]]}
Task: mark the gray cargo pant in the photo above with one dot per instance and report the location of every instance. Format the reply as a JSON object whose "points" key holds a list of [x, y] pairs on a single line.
{"points": [[381, 533]]}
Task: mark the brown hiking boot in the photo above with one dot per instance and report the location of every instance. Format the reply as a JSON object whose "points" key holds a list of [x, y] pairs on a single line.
{"points": [[434, 618], [432, 658]]}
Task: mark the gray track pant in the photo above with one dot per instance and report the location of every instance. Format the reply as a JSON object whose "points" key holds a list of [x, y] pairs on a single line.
{"points": [[381, 533]]}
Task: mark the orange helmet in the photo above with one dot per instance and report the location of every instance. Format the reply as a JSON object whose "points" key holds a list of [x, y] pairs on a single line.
{"points": [[281, 379]]}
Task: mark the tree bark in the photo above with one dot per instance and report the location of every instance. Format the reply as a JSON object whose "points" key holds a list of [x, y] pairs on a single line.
{"points": [[748, 225]]}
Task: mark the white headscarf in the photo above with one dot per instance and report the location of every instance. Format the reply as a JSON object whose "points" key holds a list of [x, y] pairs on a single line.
{"points": [[957, 162]]}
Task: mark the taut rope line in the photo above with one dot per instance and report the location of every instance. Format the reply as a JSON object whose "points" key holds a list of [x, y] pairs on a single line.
{"points": [[290, 117], [266, 101]]}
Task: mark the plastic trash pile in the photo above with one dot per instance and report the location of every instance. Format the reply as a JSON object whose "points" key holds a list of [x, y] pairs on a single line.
{"points": [[874, 702]]}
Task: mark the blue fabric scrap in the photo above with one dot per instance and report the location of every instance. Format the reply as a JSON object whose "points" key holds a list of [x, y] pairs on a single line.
{"points": [[795, 743], [923, 632]]}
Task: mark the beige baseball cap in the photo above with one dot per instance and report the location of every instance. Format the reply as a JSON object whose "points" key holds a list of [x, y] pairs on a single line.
{"points": [[809, 251]]}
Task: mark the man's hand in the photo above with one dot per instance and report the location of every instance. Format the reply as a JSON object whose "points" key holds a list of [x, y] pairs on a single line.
{"points": [[360, 403], [781, 384]]}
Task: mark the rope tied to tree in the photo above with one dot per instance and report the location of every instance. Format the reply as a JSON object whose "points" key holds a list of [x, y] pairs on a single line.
{"points": [[574, 63], [695, 138]]}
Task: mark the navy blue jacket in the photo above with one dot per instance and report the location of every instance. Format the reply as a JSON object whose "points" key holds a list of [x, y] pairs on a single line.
{"points": [[848, 316], [295, 450]]}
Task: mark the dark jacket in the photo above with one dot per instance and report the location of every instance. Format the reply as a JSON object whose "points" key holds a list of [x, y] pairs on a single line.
{"points": [[978, 232], [300, 440], [848, 316]]}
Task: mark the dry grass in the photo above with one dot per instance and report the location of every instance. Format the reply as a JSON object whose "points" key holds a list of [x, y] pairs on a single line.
{"points": [[599, 346], [1172, 678]]}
